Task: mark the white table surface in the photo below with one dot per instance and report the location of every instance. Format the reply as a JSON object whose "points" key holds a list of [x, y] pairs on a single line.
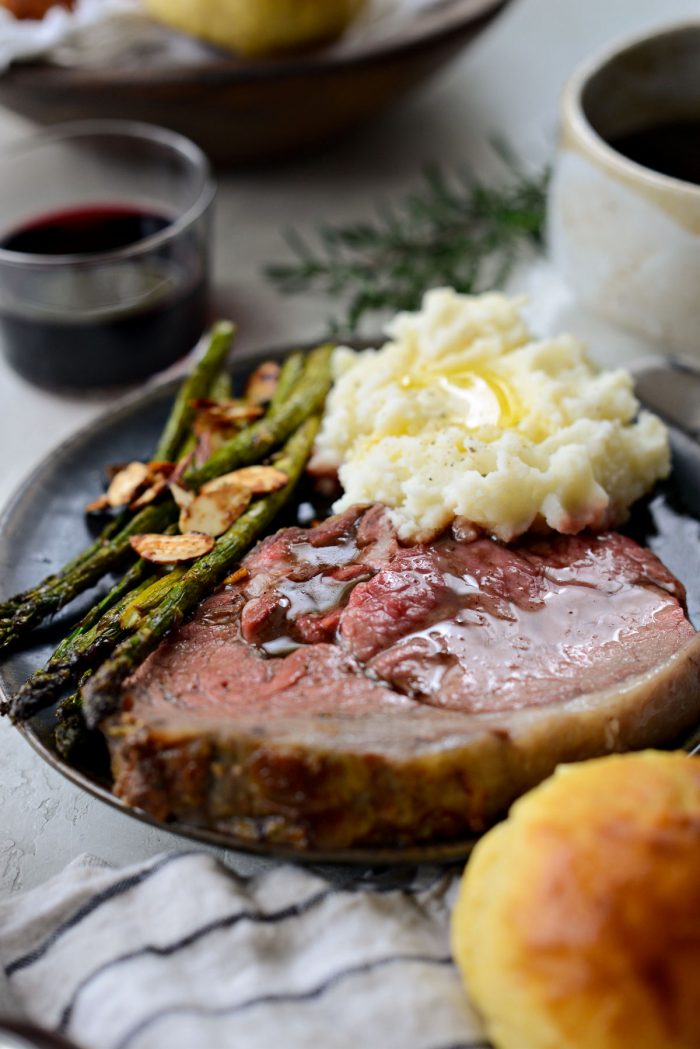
{"points": [[508, 84]]}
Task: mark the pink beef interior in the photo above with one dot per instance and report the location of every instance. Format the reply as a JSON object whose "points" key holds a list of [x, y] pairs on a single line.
{"points": [[342, 620]]}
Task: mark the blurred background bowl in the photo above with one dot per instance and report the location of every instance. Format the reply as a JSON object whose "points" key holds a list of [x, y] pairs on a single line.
{"points": [[241, 111]]}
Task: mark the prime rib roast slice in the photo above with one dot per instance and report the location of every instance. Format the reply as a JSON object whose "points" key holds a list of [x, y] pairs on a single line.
{"points": [[352, 691]]}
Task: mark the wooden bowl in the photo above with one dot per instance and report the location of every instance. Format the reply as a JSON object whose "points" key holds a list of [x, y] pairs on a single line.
{"points": [[240, 111]]}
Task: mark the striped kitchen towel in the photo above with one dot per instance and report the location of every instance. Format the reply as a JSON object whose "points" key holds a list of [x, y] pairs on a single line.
{"points": [[182, 953]]}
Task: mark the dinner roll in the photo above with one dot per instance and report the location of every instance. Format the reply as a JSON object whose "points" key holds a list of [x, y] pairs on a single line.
{"points": [[258, 27], [577, 924]]}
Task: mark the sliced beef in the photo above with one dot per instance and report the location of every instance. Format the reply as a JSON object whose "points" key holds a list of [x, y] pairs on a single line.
{"points": [[483, 627], [349, 690], [300, 579]]}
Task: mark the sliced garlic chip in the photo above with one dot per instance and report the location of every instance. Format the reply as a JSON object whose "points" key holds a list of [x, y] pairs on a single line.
{"points": [[226, 413], [148, 495], [183, 496], [214, 512], [126, 483], [100, 503], [258, 480], [169, 549], [157, 482]]}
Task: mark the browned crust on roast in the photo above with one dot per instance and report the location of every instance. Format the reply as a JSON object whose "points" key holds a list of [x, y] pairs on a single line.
{"points": [[333, 791]]}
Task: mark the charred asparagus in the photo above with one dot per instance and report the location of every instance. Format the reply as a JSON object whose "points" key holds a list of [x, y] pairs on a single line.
{"points": [[198, 384], [100, 695], [301, 389], [204, 374], [285, 416], [140, 590]]}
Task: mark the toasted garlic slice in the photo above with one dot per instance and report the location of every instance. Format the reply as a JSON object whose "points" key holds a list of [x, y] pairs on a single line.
{"points": [[258, 480], [158, 467], [126, 483], [113, 469], [168, 549], [214, 512], [183, 496], [149, 494], [157, 481], [226, 413], [101, 503], [262, 383], [134, 484]]}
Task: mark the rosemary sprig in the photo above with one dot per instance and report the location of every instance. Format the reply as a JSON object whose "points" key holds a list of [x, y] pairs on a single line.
{"points": [[451, 231]]}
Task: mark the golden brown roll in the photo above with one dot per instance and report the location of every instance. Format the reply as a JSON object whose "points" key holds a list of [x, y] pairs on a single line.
{"points": [[578, 919], [258, 27]]}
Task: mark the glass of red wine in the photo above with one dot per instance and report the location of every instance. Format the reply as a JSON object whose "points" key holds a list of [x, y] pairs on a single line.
{"points": [[104, 236]]}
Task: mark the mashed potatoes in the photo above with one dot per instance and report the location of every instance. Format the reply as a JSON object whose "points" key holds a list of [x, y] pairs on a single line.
{"points": [[464, 415]]}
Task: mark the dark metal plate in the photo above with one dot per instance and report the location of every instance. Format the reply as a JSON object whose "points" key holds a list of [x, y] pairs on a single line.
{"points": [[43, 526]]}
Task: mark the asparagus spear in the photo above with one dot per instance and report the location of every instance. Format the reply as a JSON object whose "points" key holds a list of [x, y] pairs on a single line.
{"points": [[258, 440], [71, 735], [198, 384], [74, 740], [66, 664], [118, 612], [77, 650], [93, 630], [146, 600], [90, 646], [128, 583], [101, 694], [154, 518], [249, 446], [290, 373], [220, 389], [9, 608], [139, 571]]}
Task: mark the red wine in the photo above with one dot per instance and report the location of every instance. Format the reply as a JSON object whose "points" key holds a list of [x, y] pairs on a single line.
{"points": [[671, 149], [85, 231], [97, 319]]}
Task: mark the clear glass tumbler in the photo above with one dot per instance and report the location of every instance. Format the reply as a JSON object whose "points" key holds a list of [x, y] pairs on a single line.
{"points": [[104, 238]]}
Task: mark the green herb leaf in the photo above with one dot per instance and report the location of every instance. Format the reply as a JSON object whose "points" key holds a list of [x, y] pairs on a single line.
{"points": [[450, 231]]}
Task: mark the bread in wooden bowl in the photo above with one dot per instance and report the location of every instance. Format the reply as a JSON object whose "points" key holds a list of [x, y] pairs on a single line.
{"points": [[258, 27]]}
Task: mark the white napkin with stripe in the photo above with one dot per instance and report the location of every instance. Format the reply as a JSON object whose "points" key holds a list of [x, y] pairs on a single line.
{"points": [[181, 953]]}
